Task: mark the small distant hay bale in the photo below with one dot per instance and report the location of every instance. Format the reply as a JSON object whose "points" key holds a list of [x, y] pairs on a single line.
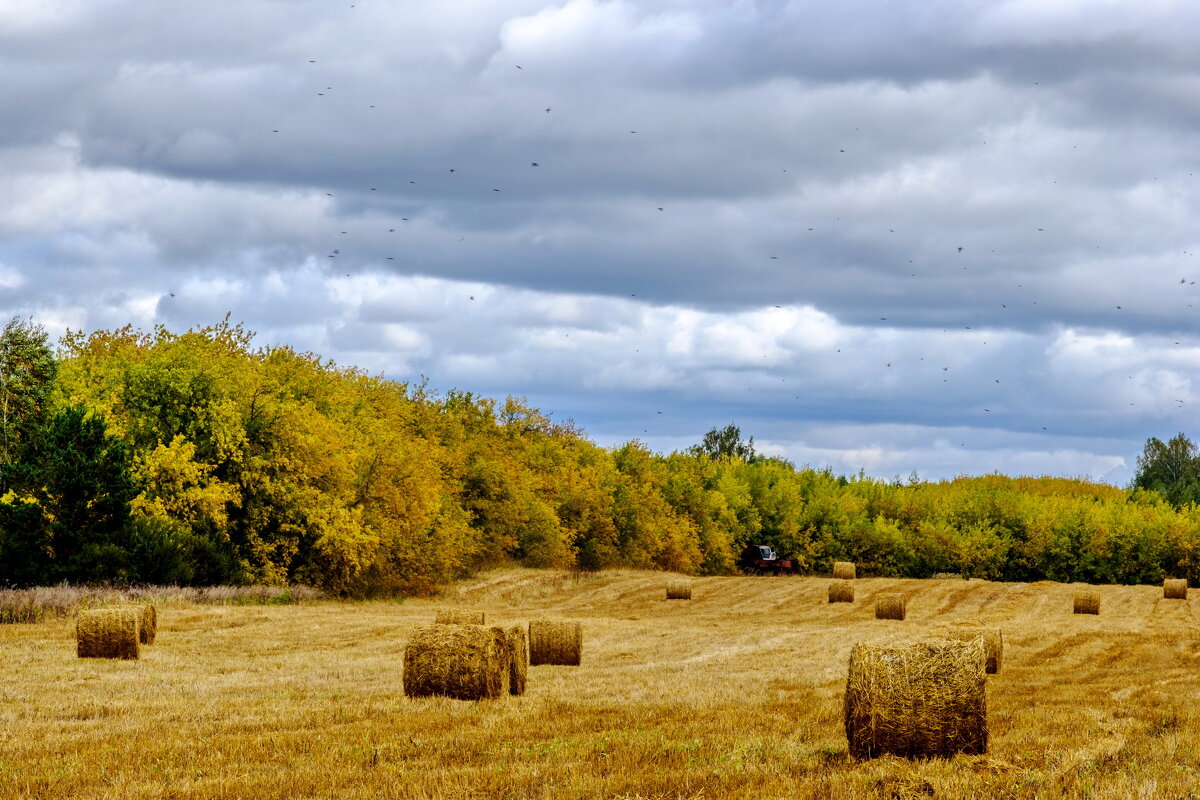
{"points": [[108, 633], [458, 616], [993, 643], [1175, 589], [844, 570], [518, 659], [917, 700], [841, 592], [890, 606], [147, 623], [555, 642], [679, 590], [467, 662], [1087, 602]]}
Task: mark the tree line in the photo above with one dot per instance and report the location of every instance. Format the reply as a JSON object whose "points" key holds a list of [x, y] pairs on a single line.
{"points": [[196, 458]]}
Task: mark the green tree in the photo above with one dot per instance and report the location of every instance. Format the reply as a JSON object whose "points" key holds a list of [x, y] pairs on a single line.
{"points": [[1170, 467], [725, 443], [27, 372], [67, 502]]}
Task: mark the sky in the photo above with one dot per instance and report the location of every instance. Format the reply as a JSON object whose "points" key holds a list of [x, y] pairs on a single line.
{"points": [[941, 237]]}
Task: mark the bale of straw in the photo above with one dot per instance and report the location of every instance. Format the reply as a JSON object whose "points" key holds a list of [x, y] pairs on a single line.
{"points": [[458, 616], [1175, 589], [679, 590], [890, 606], [841, 592], [147, 623], [108, 633], [922, 699], [844, 570], [518, 659], [467, 662], [555, 642], [1087, 602], [993, 643]]}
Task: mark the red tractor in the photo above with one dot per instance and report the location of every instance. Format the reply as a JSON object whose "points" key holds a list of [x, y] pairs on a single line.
{"points": [[761, 559]]}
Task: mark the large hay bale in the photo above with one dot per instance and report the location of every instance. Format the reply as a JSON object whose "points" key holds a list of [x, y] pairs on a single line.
{"points": [[890, 606], [555, 642], [108, 633], [467, 662], [147, 623], [679, 590], [993, 643], [518, 659], [1175, 589], [844, 570], [458, 616], [923, 699], [841, 592], [1087, 602]]}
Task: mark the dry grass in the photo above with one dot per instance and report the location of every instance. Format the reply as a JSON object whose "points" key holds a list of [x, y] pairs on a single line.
{"points": [[460, 616], [518, 659], [555, 642], [890, 605], [1087, 601], [679, 590], [108, 633], [147, 623], [23, 606], [993, 642], [926, 698], [466, 662], [675, 700], [841, 592]]}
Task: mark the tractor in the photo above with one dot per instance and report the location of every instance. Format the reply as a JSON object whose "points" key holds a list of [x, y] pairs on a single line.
{"points": [[761, 559]]}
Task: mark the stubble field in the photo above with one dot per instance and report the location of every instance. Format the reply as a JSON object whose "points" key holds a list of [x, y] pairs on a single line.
{"points": [[736, 693]]}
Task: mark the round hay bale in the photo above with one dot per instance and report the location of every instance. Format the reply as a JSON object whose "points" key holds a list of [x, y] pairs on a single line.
{"points": [[467, 662], [147, 623], [1087, 602], [922, 699], [518, 659], [679, 590], [844, 570], [458, 616], [1175, 589], [108, 633], [554, 642], [841, 592], [993, 643], [890, 606]]}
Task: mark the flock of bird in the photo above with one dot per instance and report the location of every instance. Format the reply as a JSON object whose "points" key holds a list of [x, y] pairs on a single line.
{"points": [[958, 252]]}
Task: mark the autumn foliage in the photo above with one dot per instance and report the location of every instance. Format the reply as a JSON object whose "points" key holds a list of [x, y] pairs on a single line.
{"points": [[197, 458]]}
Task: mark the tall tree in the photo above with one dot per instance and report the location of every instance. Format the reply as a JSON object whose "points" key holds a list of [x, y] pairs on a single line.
{"points": [[1171, 467], [725, 443], [27, 373], [67, 501]]}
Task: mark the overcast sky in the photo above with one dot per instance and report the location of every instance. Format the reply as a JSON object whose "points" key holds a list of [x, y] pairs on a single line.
{"points": [[955, 237]]}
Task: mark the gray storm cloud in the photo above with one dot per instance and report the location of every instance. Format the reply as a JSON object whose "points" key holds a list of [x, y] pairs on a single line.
{"points": [[950, 237]]}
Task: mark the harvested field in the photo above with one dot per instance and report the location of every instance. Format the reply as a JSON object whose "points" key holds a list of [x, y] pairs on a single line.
{"points": [[673, 700]]}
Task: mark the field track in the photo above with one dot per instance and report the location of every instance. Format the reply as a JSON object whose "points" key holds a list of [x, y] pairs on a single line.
{"points": [[735, 693]]}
